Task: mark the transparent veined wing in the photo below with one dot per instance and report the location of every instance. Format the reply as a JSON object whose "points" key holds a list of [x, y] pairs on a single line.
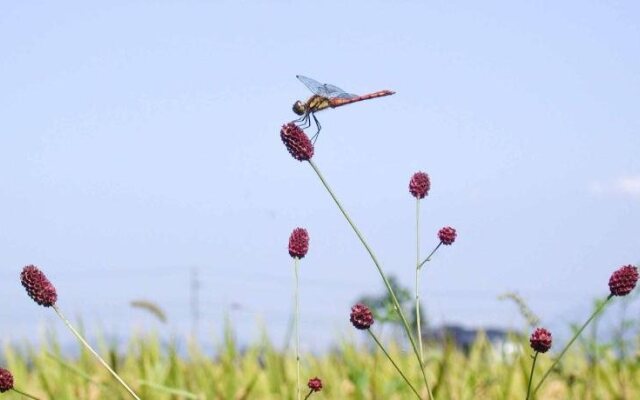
{"points": [[336, 92], [325, 89]]}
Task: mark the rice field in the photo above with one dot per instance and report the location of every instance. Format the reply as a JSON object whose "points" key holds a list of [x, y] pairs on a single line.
{"points": [[158, 370]]}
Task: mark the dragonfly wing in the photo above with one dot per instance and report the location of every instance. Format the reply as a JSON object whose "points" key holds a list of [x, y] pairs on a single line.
{"points": [[313, 85], [343, 96], [325, 89], [334, 92]]}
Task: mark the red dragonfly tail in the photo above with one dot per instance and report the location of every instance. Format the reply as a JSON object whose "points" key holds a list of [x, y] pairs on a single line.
{"points": [[337, 102]]}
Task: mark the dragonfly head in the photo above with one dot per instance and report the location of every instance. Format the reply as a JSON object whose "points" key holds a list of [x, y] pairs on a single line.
{"points": [[299, 107]]}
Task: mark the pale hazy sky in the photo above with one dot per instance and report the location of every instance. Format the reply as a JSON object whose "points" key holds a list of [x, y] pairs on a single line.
{"points": [[140, 140]]}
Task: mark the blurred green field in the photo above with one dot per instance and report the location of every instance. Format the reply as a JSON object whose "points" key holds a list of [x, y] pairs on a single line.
{"points": [[159, 371]]}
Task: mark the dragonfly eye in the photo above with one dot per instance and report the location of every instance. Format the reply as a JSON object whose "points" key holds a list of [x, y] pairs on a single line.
{"points": [[299, 107]]}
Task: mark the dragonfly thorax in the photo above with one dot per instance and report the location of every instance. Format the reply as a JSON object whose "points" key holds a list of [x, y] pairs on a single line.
{"points": [[299, 107]]}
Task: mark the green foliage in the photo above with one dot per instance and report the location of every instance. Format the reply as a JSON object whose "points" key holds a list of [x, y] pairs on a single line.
{"points": [[382, 307]]}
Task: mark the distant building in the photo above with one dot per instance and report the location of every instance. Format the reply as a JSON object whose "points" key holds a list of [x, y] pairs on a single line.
{"points": [[502, 340]]}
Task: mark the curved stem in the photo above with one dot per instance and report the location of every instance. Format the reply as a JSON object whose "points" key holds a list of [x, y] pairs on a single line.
{"points": [[396, 304], [573, 339], [418, 322], [296, 261], [533, 366], [308, 394], [394, 363], [96, 355], [429, 256], [24, 394]]}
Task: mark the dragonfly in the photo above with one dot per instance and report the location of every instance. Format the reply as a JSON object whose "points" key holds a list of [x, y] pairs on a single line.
{"points": [[326, 96]]}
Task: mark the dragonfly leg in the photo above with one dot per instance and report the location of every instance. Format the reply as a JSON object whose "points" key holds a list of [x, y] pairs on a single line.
{"points": [[303, 122], [307, 122], [315, 137]]}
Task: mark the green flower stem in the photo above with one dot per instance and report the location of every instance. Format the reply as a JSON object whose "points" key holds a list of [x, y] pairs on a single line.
{"points": [[24, 394], [533, 366], [429, 256], [394, 363], [85, 344], [308, 394], [296, 261], [418, 322], [382, 275], [573, 339]]}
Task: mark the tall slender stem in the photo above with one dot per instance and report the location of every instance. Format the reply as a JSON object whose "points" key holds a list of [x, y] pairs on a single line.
{"points": [[394, 363], [418, 322], [308, 394], [396, 304], [533, 366], [24, 394], [296, 261], [96, 355], [573, 339]]}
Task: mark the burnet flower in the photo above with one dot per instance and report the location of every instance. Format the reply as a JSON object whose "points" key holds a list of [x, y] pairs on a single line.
{"points": [[6, 380], [361, 316], [447, 235], [540, 340], [298, 243], [297, 142], [419, 185], [38, 287], [315, 384], [623, 280]]}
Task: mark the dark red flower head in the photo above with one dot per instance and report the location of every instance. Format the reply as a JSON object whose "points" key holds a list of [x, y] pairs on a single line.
{"points": [[540, 340], [419, 185], [297, 142], [38, 286], [447, 235], [298, 243], [361, 316], [6, 380], [315, 384], [623, 280]]}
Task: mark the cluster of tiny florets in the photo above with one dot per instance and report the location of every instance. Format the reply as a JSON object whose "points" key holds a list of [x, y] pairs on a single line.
{"points": [[419, 185], [361, 316], [298, 243], [540, 340], [315, 384], [38, 286], [297, 142], [447, 235], [6, 380], [623, 280]]}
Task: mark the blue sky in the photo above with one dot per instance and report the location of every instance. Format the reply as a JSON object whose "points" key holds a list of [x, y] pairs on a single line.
{"points": [[140, 140]]}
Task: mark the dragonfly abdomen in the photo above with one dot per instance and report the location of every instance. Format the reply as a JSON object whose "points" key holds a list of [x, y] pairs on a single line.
{"points": [[337, 102]]}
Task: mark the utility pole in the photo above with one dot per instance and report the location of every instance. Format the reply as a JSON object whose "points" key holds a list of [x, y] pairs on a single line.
{"points": [[194, 289]]}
